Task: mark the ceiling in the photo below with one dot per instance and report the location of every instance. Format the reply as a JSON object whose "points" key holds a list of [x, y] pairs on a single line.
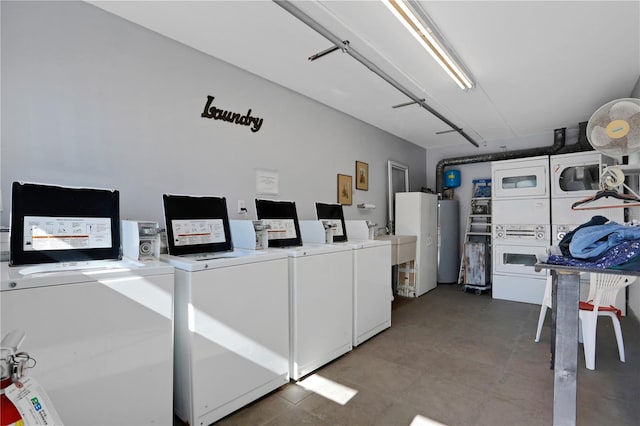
{"points": [[537, 65]]}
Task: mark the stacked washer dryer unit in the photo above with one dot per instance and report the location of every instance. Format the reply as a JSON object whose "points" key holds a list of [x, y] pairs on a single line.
{"points": [[574, 177], [521, 227]]}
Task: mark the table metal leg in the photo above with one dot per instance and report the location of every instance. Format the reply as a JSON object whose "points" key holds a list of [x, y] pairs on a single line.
{"points": [[566, 292]]}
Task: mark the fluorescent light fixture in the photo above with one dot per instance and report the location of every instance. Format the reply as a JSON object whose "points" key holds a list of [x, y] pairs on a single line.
{"points": [[424, 31]]}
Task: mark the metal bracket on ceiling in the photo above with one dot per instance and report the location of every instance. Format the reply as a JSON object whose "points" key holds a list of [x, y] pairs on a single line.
{"points": [[291, 8], [419, 101], [343, 48], [442, 132]]}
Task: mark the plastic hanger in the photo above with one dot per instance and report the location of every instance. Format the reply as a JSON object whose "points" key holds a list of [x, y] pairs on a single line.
{"points": [[629, 200], [612, 177]]}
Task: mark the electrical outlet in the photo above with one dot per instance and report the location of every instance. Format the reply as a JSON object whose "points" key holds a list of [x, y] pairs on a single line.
{"points": [[241, 207]]}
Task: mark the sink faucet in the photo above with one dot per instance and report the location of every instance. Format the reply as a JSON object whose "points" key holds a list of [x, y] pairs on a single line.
{"points": [[383, 231]]}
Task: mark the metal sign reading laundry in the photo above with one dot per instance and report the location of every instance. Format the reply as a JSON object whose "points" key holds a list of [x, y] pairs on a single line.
{"points": [[210, 111]]}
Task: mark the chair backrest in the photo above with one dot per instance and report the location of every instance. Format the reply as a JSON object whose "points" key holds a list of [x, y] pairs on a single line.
{"points": [[604, 288]]}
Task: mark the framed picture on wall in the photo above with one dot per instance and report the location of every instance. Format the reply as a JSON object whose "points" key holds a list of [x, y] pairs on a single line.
{"points": [[345, 190], [362, 176]]}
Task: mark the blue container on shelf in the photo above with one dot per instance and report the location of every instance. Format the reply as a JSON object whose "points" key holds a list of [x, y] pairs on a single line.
{"points": [[452, 178]]}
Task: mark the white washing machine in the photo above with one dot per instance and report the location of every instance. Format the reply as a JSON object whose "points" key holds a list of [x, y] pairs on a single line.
{"points": [[102, 337], [231, 331], [320, 291], [231, 312], [320, 307], [372, 288]]}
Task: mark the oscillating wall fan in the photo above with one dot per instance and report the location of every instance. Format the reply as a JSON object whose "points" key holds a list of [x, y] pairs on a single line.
{"points": [[614, 130]]}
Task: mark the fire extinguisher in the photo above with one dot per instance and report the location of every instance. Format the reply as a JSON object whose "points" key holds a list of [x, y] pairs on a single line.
{"points": [[12, 366]]}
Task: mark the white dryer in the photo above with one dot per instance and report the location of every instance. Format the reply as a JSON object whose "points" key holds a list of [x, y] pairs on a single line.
{"points": [[574, 177], [102, 335]]}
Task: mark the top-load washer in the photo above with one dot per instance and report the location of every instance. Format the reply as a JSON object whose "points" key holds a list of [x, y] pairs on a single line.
{"points": [[100, 329], [231, 313], [320, 290], [102, 337], [372, 285]]}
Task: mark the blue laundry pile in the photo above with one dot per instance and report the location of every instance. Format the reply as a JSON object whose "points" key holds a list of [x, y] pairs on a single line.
{"points": [[600, 244]]}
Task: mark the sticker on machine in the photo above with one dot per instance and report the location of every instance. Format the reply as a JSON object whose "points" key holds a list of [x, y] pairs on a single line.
{"points": [[197, 231], [281, 229], [66, 233]]}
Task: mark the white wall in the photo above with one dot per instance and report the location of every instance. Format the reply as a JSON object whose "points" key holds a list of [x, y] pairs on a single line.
{"points": [[89, 99], [634, 289]]}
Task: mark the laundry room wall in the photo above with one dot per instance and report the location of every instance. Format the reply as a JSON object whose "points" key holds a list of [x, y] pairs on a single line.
{"points": [[89, 99], [469, 172]]}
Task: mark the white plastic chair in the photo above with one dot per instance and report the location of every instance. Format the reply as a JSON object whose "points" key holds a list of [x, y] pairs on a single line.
{"points": [[546, 303], [603, 290]]}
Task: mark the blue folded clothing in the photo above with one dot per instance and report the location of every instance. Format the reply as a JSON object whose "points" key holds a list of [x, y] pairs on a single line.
{"points": [[625, 255], [566, 241], [593, 241]]}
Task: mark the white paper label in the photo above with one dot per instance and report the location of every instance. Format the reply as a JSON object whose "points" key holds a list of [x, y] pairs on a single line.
{"points": [[66, 233], [281, 229], [32, 402], [197, 231]]}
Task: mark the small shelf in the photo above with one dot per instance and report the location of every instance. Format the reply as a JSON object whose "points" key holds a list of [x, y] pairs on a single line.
{"points": [[366, 206]]}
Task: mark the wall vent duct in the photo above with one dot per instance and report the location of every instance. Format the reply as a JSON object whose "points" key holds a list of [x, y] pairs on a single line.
{"points": [[558, 147]]}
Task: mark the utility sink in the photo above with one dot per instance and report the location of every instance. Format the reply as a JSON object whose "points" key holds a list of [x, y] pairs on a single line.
{"points": [[403, 247]]}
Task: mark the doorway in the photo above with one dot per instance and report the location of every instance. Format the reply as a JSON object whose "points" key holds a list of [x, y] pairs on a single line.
{"points": [[398, 181]]}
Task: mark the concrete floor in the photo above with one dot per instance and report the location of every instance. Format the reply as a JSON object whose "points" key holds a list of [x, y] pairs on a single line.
{"points": [[454, 358]]}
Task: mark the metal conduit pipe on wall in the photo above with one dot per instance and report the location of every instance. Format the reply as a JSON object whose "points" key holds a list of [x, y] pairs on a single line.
{"points": [[558, 147], [311, 23]]}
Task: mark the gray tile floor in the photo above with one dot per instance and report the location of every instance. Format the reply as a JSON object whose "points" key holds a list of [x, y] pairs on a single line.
{"points": [[459, 359]]}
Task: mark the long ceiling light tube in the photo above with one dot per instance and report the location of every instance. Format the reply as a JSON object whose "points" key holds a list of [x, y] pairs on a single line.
{"points": [[424, 31], [289, 7]]}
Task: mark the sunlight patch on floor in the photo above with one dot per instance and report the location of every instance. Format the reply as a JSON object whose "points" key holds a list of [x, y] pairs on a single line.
{"points": [[328, 389], [424, 421]]}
